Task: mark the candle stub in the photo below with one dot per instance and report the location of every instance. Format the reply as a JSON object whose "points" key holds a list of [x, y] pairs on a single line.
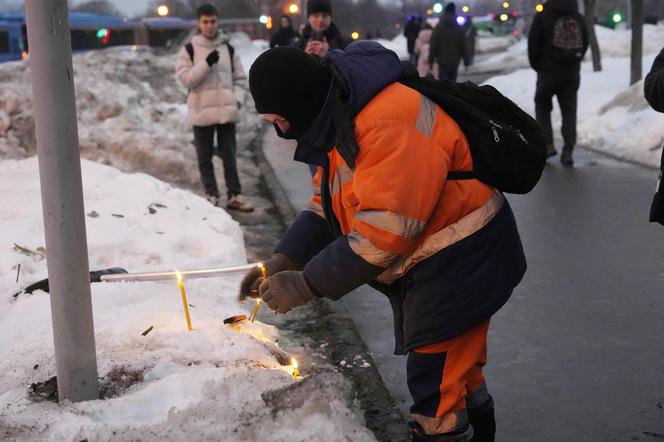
{"points": [[235, 319]]}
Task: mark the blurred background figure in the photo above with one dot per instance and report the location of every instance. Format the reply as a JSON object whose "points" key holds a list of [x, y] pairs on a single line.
{"points": [[557, 42], [286, 35], [320, 35], [448, 45], [422, 46], [411, 31], [471, 38]]}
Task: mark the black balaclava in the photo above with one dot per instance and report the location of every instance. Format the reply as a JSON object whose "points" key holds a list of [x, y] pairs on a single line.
{"points": [[314, 6], [286, 81]]}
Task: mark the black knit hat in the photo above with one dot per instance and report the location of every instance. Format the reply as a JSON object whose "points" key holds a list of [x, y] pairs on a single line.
{"points": [[314, 6], [450, 8], [286, 81]]}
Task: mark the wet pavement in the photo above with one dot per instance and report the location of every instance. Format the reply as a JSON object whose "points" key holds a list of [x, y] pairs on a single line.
{"points": [[577, 352]]}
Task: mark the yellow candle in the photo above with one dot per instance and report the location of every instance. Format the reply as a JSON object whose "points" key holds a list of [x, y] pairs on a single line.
{"points": [[296, 371], [184, 300], [254, 312]]}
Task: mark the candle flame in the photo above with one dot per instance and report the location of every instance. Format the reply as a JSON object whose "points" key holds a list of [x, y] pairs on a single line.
{"points": [[179, 275], [294, 366], [294, 363]]}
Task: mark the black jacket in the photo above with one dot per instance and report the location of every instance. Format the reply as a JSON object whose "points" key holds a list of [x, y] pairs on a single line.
{"points": [[332, 34], [541, 35], [283, 37], [448, 42], [654, 84]]}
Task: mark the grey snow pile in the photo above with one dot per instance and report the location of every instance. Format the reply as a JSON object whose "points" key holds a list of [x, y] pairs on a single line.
{"points": [[131, 111]]}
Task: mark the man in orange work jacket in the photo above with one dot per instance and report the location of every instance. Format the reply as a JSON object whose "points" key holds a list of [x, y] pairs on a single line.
{"points": [[446, 253]]}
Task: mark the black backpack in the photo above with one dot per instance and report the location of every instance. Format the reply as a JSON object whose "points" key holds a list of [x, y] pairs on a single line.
{"points": [[567, 41], [190, 50], [506, 144]]}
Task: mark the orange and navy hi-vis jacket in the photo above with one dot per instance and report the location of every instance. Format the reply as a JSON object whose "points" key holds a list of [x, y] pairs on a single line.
{"points": [[446, 252]]}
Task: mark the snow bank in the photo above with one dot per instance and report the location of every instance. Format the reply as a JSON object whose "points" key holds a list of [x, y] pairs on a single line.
{"points": [[131, 111], [398, 44], [611, 116], [214, 383], [613, 44]]}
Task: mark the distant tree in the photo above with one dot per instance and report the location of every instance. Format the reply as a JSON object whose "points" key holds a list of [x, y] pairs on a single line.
{"points": [[590, 6], [101, 7], [637, 41]]}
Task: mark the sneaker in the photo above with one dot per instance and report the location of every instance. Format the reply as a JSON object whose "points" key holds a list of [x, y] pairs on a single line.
{"points": [[213, 199], [551, 151], [236, 202]]}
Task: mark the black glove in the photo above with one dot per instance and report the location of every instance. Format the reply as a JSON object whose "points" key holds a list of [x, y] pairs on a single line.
{"points": [[212, 58], [277, 263], [286, 290]]}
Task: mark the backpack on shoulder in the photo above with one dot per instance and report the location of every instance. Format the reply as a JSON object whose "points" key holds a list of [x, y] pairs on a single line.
{"points": [[567, 40], [190, 50], [506, 144]]}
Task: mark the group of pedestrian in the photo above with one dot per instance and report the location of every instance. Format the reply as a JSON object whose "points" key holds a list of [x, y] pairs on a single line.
{"points": [[438, 51]]}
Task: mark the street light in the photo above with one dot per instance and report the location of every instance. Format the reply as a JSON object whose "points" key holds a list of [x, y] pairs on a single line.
{"points": [[438, 8], [162, 10], [539, 7], [355, 35], [465, 9], [263, 19], [293, 8], [504, 17], [506, 5], [617, 18]]}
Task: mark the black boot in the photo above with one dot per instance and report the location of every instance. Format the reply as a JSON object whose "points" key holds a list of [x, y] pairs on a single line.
{"points": [[417, 434], [551, 151], [483, 421], [566, 157]]}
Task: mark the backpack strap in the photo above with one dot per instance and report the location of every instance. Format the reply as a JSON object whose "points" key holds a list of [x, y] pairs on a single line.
{"points": [[461, 175], [231, 52], [190, 50]]}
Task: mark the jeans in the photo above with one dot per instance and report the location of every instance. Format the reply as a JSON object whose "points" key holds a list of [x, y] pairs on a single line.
{"points": [[227, 147], [448, 71], [565, 88]]}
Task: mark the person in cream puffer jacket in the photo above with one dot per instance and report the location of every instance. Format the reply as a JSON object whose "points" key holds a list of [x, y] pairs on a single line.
{"points": [[215, 79]]}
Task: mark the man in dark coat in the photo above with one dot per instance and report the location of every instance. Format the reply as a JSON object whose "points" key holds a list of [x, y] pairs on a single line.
{"points": [[654, 84], [557, 42], [411, 31], [320, 35], [448, 45]]}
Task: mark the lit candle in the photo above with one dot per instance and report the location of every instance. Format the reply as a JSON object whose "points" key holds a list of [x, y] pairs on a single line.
{"points": [[296, 372], [254, 312], [184, 299]]}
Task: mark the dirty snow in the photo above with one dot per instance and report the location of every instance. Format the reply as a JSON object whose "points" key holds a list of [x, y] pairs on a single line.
{"points": [[613, 44], [612, 117], [213, 383], [131, 111]]}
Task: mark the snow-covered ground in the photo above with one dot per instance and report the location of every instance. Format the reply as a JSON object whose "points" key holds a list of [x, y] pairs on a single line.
{"points": [[131, 111], [612, 116], [214, 383]]}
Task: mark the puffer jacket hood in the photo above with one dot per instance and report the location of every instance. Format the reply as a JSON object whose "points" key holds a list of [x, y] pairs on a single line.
{"points": [[366, 68], [562, 6]]}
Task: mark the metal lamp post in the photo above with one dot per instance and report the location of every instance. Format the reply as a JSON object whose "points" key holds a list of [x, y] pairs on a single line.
{"points": [[62, 198]]}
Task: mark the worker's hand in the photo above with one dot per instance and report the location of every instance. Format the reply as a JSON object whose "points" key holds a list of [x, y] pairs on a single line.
{"points": [[286, 290], [277, 263], [212, 58], [317, 47]]}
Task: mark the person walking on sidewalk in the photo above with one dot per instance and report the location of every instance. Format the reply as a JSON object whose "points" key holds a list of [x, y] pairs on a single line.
{"points": [[448, 45], [447, 260], [422, 47], [209, 67], [320, 35], [557, 42]]}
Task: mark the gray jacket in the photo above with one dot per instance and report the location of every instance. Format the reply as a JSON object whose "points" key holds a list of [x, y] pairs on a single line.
{"points": [[215, 93]]}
